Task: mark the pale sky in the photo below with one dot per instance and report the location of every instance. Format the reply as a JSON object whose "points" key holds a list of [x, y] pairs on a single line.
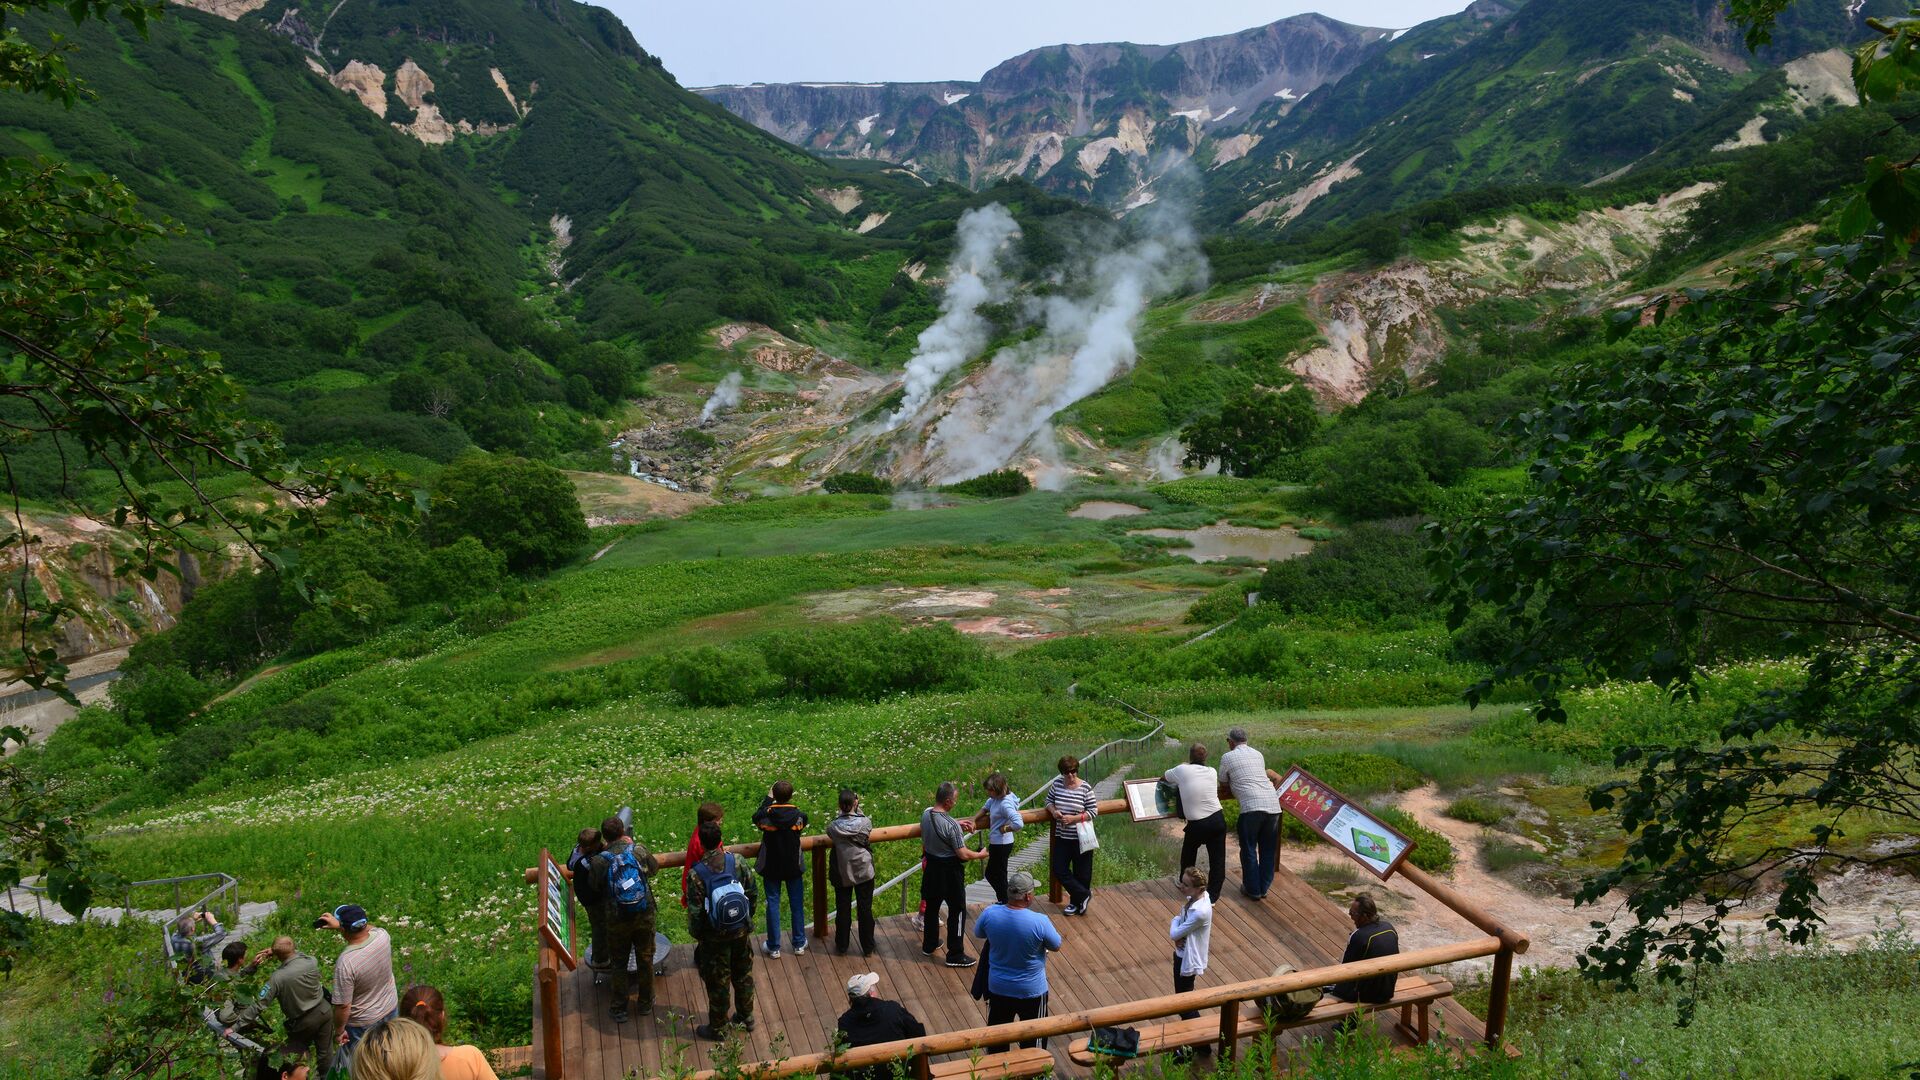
{"points": [[704, 43]]}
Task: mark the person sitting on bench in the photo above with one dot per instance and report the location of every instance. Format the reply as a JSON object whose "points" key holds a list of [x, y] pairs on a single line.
{"points": [[1373, 937], [871, 1019]]}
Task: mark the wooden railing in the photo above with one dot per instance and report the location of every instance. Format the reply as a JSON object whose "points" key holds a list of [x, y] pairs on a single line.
{"points": [[1227, 998], [1501, 943]]}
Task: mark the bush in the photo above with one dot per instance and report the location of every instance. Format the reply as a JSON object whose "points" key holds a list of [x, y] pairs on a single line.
{"points": [[1372, 473], [1356, 774], [1479, 811], [525, 510], [994, 485], [1498, 854], [1431, 852], [867, 660], [1374, 572], [714, 676], [159, 698], [856, 483], [1220, 605]]}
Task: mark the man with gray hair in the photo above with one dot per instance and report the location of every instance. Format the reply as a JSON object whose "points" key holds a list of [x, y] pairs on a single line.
{"points": [[870, 1020], [943, 879], [1243, 771]]}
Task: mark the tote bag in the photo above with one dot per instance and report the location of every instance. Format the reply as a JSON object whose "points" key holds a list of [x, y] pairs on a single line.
{"points": [[1083, 832]]}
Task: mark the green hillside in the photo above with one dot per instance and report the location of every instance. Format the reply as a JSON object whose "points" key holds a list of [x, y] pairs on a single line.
{"points": [[1549, 92], [381, 295]]}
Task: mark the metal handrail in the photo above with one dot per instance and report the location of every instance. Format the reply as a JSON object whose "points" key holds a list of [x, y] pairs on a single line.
{"points": [[227, 882], [899, 880]]}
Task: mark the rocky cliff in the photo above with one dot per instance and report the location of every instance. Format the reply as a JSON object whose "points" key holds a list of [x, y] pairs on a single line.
{"points": [[1085, 120]]}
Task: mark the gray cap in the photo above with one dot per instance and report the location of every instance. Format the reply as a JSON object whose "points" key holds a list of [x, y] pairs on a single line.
{"points": [[1019, 884]]}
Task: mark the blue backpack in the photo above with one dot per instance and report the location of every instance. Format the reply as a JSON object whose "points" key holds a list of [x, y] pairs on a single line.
{"points": [[729, 912], [626, 884]]}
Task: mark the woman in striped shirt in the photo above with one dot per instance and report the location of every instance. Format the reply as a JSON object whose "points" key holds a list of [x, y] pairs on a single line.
{"points": [[1071, 801]]}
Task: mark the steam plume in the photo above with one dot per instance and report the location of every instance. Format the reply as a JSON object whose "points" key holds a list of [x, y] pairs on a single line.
{"points": [[1086, 341], [724, 396], [960, 332]]}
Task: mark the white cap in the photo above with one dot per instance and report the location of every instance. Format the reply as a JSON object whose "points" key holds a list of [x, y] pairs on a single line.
{"points": [[861, 985]]}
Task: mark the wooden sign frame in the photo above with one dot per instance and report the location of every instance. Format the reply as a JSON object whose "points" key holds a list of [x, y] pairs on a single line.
{"points": [[1345, 804], [1133, 807], [556, 900]]}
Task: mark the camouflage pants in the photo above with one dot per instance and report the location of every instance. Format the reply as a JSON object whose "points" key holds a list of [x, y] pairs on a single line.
{"points": [[726, 965], [628, 934]]}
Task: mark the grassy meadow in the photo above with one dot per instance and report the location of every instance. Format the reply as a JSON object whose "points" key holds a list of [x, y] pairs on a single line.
{"points": [[420, 772]]}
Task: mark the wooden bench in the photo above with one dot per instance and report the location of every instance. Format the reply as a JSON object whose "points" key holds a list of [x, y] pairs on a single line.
{"points": [[1006, 1065], [1414, 995]]}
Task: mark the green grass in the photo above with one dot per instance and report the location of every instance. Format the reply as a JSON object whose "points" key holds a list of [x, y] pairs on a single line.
{"points": [[1478, 811]]}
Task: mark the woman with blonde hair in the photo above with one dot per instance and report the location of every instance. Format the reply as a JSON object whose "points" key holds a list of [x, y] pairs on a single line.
{"points": [[395, 1049], [424, 1005]]}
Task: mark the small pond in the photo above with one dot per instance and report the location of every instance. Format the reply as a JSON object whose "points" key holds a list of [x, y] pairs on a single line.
{"points": [[1221, 541], [1103, 510]]}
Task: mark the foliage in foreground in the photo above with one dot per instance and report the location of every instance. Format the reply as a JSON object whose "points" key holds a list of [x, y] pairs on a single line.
{"points": [[1745, 487]]}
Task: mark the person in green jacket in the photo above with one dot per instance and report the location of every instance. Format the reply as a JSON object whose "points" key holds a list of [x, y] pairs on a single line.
{"points": [[297, 986]]}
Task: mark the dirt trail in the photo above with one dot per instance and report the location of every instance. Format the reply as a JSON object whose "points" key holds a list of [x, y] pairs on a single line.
{"points": [[1859, 903]]}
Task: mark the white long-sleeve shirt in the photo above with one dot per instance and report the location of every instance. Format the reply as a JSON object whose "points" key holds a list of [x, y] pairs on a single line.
{"points": [[1192, 934]]}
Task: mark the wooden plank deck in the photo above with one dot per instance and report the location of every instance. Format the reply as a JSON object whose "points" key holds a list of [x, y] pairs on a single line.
{"points": [[1118, 955]]}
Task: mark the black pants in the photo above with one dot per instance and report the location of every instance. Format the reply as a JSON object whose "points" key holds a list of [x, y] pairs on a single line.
{"points": [[1002, 1009], [997, 856], [1073, 868], [846, 897], [1209, 832], [1182, 984], [944, 881]]}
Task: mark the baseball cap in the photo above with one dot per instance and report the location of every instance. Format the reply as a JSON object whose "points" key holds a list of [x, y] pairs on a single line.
{"points": [[351, 916], [862, 985], [1019, 884]]}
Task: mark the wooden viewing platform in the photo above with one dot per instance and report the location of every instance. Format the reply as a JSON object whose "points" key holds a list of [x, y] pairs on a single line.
{"points": [[1116, 968], [1116, 953]]}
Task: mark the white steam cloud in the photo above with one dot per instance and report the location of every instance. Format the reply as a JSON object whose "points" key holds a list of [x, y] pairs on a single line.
{"points": [[724, 396], [976, 279], [1086, 341]]}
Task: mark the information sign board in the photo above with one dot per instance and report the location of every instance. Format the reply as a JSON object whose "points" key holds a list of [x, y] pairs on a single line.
{"points": [[1148, 801], [1371, 842], [556, 909]]}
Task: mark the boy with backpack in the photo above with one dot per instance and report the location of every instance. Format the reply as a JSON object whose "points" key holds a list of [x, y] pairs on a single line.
{"points": [[781, 824], [720, 915], [624, 868]]}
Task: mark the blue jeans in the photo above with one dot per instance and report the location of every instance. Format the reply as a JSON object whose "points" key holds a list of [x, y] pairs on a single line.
{"points": [[797, 901], [355, 1034], [1259, 851]]}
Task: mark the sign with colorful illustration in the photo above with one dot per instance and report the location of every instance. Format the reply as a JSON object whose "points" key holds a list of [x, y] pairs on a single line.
{"points": [[556, 909], [1373, 843]]}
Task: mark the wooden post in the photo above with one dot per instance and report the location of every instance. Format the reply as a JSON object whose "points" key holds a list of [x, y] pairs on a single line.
{"points": [[1497, 1000], [921, 1067], [1229, 1030], [820, 892], [549, 979], [1053, 879]]}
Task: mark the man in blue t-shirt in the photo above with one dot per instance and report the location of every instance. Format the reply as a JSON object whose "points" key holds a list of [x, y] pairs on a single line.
{"points": [[1018, 940]]}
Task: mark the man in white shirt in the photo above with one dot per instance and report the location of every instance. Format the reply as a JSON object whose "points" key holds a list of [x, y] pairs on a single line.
{"points": [[1199, 788], [1244, 772]]}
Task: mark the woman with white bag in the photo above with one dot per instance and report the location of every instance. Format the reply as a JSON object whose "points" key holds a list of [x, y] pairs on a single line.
{"points": [[1072, 803]]}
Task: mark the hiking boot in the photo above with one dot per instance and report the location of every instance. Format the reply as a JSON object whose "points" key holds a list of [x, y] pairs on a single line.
{"points": [[706, 1032], [644, 1008], [620, 1013], [745, 1023]]}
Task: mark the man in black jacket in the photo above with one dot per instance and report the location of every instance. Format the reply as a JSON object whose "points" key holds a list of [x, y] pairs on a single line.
{"points": [[1373, 937], [870, 1019], [781, 867]]}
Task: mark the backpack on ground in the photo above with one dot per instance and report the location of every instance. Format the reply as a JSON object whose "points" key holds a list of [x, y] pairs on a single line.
{"points": [[626, 884], [729, 912], [1291, 1005]]}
